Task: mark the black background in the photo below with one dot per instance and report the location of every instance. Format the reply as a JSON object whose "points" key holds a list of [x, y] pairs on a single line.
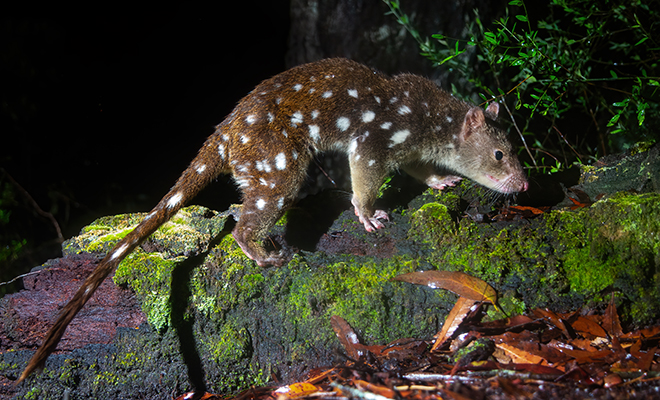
{"points": [[102, 110]]}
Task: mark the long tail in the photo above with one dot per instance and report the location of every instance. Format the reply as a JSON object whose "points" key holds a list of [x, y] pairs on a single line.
{"points": [[204, 168]]}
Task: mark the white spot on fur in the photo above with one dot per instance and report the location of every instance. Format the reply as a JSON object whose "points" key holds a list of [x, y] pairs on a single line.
{"points": [[315, 114], [221, 150], [386, 125], [251, 119], [280, 161], [278, 100], [201, 168], [284, 133], [263, 181], [280, 203], [312, 90], [372, 162], [399, 137], [343, 123], [312, 79], [406, 93], [353, 93], [377, 99], [353, 146], [174, 200], [243, 182], [357, 157], [271, 117], [294, 154], [261, 203], [243, 167], [394, 100], [263, 166], [225, 137], [368, 116], [327, 95], [244, 139], [314, 132], [403, 110], [297, 118], [297, 87], [450, 119]]}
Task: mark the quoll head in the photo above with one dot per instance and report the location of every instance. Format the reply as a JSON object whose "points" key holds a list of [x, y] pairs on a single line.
{"points": [[485, 155]]}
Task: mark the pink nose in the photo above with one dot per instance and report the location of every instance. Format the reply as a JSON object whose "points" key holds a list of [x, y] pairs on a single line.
{"points": [[525, 186]]}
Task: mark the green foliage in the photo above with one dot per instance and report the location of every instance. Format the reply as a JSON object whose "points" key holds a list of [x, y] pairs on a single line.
{"points": [[579, 78]]}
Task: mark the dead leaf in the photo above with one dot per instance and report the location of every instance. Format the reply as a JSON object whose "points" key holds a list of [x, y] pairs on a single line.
{"points": [[524, 348], [511, 389], [582, 356], [346, 336], [587, 327], [316, 375], [458, 282], [578, 204], [612, 380], [556, 320], [611, 321], [456, 316], [520, 356], [647, 333], [646, 359], [295, 391], [379, 390]]}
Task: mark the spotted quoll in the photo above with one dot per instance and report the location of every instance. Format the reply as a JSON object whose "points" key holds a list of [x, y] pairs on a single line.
{"points": [[382, 123]]}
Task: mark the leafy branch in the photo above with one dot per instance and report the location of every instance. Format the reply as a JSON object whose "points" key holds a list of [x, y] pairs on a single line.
{"points": [[588, 67]]}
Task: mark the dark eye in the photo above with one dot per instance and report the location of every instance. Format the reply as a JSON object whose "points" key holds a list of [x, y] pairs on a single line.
{"points": [[498, 155]]}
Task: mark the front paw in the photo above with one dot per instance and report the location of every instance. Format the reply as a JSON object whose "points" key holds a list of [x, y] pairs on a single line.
{"points": [[442, 182], [373, 223]]}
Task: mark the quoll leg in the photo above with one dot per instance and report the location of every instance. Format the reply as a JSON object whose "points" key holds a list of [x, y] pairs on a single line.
{"points": [[366, 178], [427, 174]]}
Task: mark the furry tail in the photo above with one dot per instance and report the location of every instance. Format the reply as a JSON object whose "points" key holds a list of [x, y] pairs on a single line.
{"points": [[204, 168]]}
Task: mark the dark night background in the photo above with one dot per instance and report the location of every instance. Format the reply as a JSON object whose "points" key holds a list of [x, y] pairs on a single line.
{"points": [[101, 111]]}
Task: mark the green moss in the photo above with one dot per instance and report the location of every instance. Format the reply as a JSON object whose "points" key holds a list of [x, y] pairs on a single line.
{"points": [[432, 223], [231, 345], [67, 373], [247, 319], [613, 244], [184, 233], [33, 393], [107, 378], [354, 291], [155, 276]]}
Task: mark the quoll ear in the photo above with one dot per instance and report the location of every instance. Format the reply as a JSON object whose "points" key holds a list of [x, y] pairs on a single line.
{"points": [[493, 109], [474, 119]]}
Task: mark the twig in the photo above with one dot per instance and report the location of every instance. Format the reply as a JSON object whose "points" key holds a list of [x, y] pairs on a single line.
{"points": [[20, 276], [566, 141], [357, 393], [34, 205]]}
